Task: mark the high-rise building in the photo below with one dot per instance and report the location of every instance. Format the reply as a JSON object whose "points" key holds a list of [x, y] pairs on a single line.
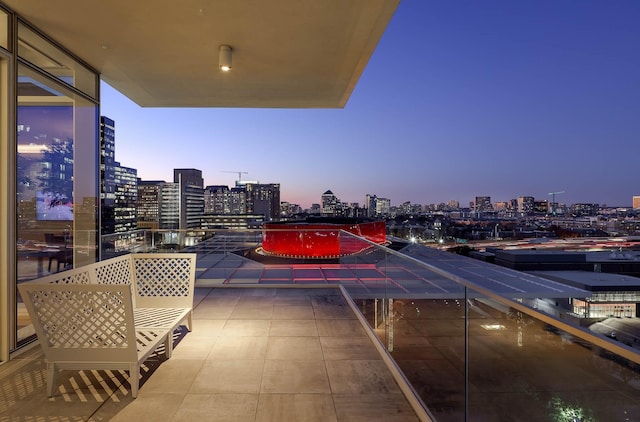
{"points": [[107, 176], [584, 210], [126, 198], [482, 204], [329, 204], [287, 209], [500, 206], [237, 201], [264, 198], [216, 199], [383, 207], [370, 205], [148, 207], [191, 188], [169, 204], [118, 185], [541, 207], [636, 202], [526, 205]]}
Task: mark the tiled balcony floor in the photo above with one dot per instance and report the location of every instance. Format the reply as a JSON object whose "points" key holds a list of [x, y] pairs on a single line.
{"points": [[255, 354]]}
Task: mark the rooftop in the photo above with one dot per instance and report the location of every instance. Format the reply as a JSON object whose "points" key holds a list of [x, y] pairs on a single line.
{"points": [[417, 272], [592, 281]]}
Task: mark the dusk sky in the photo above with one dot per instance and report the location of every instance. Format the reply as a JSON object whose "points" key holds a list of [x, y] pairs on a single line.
{"points": [[460, 99]]}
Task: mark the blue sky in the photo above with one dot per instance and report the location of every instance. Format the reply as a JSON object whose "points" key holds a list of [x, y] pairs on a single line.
{"points": [[460, 99]]}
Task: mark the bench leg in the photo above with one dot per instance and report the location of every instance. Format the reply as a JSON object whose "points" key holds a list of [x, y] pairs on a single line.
{"points": [[189, 322], [134, 378], [168, 345], [51, 378]]}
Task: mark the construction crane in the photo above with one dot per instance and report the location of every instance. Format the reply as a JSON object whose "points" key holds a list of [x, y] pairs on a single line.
{"points": [[553, 200], [240, 173]]}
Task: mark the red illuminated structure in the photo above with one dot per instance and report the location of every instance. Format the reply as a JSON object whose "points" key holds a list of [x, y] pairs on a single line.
{"points": [[321, 237]]}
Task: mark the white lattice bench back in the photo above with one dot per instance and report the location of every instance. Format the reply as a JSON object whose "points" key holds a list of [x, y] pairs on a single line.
{"points": [[158, 280]]}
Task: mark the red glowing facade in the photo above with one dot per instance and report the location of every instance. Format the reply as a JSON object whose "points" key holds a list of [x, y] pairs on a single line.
{"points": [[320, 239]]}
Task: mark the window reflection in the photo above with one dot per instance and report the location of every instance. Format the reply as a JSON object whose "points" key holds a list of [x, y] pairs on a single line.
{"points": [[44, 175], [56, 197]]}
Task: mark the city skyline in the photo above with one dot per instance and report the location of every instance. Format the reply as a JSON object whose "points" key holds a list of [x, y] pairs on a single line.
{"points": [[459, 100]]}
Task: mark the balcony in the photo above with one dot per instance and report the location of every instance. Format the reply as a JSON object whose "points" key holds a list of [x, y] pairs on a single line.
{"points": [[254, 354], [474, 341]]}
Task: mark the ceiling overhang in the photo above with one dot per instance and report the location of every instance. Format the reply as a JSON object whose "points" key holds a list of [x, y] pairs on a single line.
{"points": [[286, 53]]}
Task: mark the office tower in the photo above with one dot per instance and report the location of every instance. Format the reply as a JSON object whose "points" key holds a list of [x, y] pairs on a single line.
{"points": [[263, 199], [148, 207], [636, 202], [216, 199], [370, 205], [525, 205], [482, 204], [405, 208], [512, 206], [237, 201], [118, 194], [316, 209], [188, 177], [107, 176], [377, 207], [126, 198], [584, 210], [287, 209], [191, 194], [540, 207], [383, 207], [169, 204], [329, 204]]}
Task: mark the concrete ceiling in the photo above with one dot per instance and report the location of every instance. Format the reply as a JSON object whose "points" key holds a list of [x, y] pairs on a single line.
{"points": [[286, 53]]}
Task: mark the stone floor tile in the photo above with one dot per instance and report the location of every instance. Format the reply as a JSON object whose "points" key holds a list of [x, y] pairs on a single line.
{"points": [[293, 328], [250, 348], [283, 376], [295, 407], [217, 407], [360, 377], [193, 346], [239, 328], [340, 327], [294, 348], [335, 348], [173, 376], [229, 376], [293, 312], [252, 312], [157, 407], [373, 407]]}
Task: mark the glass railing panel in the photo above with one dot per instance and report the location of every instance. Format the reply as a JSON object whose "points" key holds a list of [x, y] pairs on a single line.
{"points": [[425, 338], [482, 356], [521, 368]]}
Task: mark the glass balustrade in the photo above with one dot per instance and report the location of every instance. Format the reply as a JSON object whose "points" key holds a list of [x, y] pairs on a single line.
{"points": [[474, 354]]}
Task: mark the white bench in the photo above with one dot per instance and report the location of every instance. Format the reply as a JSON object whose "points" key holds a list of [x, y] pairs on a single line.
{"points": [[112, 314]]}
